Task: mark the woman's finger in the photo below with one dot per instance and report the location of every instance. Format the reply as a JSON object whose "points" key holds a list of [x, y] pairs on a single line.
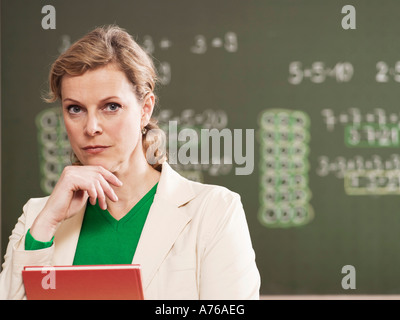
{"points": [[108, 191], [110, 177], [100, 195], [91, 190]]}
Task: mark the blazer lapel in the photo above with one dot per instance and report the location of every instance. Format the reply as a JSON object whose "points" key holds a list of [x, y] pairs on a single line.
{"points": [[66, 239], [164, 224], [166, 220]]}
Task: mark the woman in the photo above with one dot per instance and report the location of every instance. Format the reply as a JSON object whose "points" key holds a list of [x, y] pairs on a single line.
{"points": [[120, 203]]}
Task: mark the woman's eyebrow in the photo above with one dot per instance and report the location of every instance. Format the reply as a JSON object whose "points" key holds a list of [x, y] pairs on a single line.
{"points": [[109, 98], [102, 100], [69, 99]]}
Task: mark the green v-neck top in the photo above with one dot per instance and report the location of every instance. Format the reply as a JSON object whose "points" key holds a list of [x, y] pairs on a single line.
{"points": [[105, 240]]}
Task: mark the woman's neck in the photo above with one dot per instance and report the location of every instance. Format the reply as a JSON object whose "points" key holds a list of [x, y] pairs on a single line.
{"points": [[137, 181]]}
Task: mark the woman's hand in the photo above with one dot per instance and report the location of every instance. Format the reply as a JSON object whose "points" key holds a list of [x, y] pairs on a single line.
{"points": [[76, 185]]}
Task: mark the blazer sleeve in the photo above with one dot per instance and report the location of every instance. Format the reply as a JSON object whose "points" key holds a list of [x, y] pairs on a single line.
{"points": [[16, 257], [228, 267]]}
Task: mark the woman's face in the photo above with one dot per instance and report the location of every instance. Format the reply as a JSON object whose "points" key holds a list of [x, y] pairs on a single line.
{"points": [[103, 118]]}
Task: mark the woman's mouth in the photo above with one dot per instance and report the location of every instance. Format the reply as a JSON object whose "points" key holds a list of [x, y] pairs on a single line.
{"points": [[95, 149]]}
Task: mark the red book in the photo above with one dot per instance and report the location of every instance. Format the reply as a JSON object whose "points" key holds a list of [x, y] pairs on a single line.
{"points": [[100, 282]]}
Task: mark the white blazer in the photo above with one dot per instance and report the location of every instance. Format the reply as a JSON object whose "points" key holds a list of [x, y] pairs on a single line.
{"points": [[195, 244]]}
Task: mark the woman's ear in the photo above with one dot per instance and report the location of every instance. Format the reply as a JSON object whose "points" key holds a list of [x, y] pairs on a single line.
{"points": [[147, 109]]}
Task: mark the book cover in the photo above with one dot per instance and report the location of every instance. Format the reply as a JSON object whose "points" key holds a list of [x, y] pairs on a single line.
{"points": [[102, 282]]}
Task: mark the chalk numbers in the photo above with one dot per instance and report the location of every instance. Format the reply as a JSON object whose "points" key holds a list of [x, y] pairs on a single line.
{"points": [[385, 73], [318, 72], [54, 148], [189, 118], [342, 72], [148, 44], [164, 73], [200, 45], [284, 191], [229, 42]]}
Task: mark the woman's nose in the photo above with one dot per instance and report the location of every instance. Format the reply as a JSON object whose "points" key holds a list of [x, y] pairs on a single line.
{"points": [[93, 125]]}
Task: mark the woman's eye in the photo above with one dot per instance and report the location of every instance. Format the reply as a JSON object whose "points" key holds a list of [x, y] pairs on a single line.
{"points": [[113, 106], [74, 109]]}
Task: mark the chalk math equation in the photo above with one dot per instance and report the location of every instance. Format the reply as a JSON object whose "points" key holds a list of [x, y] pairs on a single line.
{"points": [[372, 129]]}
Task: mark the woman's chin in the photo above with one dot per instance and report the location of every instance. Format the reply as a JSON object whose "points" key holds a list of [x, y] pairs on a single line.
{"points": [[112, 166], [103, 164]]}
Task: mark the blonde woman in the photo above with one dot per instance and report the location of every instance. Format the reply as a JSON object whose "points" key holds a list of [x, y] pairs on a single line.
{"points": [[113, 205]]}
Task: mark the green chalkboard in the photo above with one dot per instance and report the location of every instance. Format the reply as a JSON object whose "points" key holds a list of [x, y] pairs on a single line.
{"points": [[308, 95]]}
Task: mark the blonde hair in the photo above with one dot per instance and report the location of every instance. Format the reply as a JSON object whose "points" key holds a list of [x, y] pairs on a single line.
{"points": [[100, 47]]}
